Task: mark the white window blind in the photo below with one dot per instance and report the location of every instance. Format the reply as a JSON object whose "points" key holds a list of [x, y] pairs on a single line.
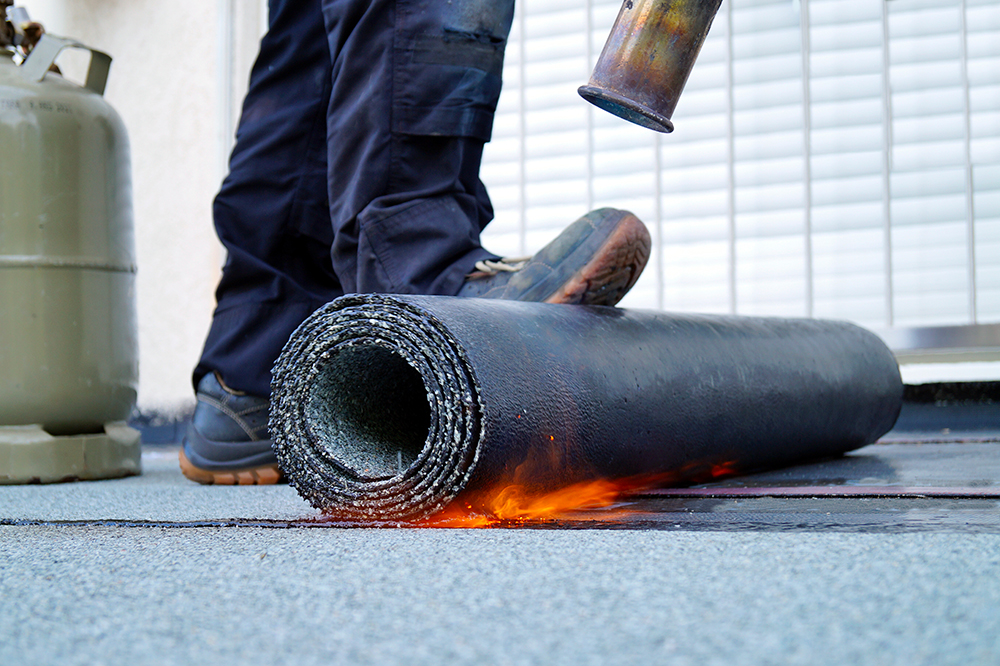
{"points": [[834, 158]]}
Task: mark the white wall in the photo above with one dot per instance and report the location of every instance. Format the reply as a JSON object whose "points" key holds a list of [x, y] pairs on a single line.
{"points": [[178, 74]]}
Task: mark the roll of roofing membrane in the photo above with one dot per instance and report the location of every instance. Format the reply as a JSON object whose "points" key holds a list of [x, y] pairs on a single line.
{"points": [[389, 407]]}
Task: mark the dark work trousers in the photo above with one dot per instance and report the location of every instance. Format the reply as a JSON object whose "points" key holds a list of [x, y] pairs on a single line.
{"points": [[356, 166]]}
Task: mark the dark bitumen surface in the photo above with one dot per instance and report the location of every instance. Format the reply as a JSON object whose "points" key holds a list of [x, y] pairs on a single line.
{"points": [[155, 569]]}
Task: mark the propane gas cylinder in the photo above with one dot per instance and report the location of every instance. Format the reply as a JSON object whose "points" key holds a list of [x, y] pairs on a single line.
{"points": [[68, 348]]}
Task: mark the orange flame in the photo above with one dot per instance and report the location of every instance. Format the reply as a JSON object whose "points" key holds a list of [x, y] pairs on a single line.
{"points": [[723, 469], [514, 505]]}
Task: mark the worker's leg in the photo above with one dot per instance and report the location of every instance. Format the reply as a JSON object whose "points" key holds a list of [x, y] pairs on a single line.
{"points": [[415, 86], [272, 212]]}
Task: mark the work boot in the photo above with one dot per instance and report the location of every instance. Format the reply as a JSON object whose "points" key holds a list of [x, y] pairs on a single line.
{"points": [[595, 261], [227, 440]]}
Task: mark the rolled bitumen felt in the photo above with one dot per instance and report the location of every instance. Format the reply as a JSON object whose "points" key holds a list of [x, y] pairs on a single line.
{"points": [[390, 407]]}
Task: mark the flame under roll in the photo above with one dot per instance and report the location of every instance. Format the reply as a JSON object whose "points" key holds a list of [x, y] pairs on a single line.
{"points": [[390, 407]]}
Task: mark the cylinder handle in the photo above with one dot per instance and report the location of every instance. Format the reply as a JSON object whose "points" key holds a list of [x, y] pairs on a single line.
{"points": [[49, 47]]}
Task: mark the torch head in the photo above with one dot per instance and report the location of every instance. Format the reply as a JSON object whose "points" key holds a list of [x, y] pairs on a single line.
{"points": [[647, 59]]}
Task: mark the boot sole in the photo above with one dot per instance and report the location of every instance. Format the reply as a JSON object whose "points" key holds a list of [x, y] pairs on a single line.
{"points": [[613, 270], [257, 476]]}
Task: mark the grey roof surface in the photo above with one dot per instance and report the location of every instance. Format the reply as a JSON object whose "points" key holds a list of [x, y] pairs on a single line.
{"points": [[192, 574]]}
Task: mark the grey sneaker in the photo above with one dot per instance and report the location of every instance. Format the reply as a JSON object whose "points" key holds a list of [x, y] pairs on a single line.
{"points": [[595, 261], [227, 440]]}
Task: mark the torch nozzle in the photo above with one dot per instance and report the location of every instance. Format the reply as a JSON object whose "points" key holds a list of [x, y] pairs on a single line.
{"points": [[648, 57]]}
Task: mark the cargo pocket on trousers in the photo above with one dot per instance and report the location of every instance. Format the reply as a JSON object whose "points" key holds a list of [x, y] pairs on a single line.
{"points": [[446, 84]]}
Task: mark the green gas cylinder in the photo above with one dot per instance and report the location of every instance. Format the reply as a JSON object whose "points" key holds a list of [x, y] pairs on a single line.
{"points": [[68, 348]]}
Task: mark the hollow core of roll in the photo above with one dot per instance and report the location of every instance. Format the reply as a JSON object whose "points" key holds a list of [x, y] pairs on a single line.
{"points": [[368, 411]]}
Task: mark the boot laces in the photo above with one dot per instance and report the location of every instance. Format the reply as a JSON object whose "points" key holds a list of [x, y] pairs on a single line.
{"points": [[503, 265]]}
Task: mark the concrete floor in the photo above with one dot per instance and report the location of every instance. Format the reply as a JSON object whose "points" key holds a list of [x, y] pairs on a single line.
{"points": [[155, 569]]}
